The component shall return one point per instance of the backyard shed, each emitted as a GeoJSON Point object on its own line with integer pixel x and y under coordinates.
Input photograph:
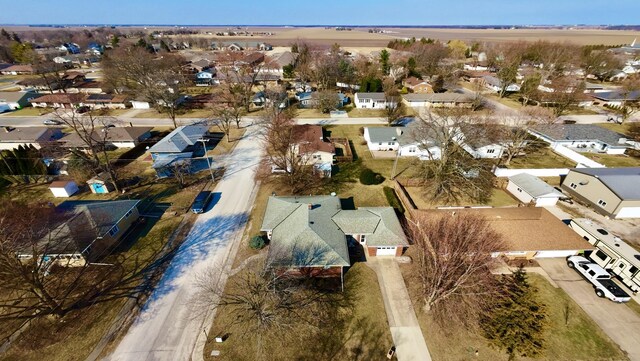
{"type": "Point", "coordinates": [529, 188]}
{"type": "Point", "coordinates": [63, 189]}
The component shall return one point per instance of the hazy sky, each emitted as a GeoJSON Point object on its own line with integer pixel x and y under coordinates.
{"type": "Point", "coordinates": [320, 12]}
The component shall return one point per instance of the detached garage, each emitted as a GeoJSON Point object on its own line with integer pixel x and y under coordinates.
{"type": "Point", "coordinates": [529, 189]}
{"type": "Point", "coordinates": [613, 192]}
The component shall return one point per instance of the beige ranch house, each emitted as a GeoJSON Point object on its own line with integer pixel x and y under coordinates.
{"type": "Point", "coordinates": [613, 192]}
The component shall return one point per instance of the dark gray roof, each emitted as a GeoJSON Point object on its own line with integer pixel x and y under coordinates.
{"type": "Point", "coordinates": [85, 223]}
{"type": "Point", "coordinates": [29, 134]}
{"type": "Point", "coordinates": [617, 95]}
{"type": "Point", "coordinates": [373, 96]}
{"type": "Point", "coordinates": [534, 186]}
{"type": "Point", "coordinates": [438, 98]}
{"type": "Point", "coordinates": [622, 181]}
{"type": "Point", "coordinates": [583, 132]}
{"type": "Point", "coordinates": [180, 139]}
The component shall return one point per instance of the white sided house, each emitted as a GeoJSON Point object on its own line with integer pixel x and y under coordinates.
{"type": "Point", "coordinates": [612, 253]}
{"type": "Point", "coordinates": [583, 138]}
{"type": "Point", "coordinates": [479, 144]}
{"type": "Point", "coordinates": [530, 189]}
{"type": "Point", "coordinates": [372, 101]}
{"type": "Point", "coordinates": [495, 84]}
{"type": "Point", "coordinates": [401, 141]}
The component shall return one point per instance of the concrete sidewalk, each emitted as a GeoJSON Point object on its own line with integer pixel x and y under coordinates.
{"type": "Point", "coordinates": [405, 330]}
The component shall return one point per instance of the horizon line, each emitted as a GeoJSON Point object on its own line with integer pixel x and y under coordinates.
{"type": "Point", "coordinates": [318, 25]}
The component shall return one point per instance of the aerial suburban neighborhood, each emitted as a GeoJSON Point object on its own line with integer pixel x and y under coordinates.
{"type": "Point", "coordinates": [400, 191]}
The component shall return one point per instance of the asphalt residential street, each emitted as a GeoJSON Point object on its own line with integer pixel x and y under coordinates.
{"type": "Point", "coordinates": [169, 328]}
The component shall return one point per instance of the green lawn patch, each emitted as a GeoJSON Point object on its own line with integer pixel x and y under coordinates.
{"type": "Point", "coordinates": [540, 159]}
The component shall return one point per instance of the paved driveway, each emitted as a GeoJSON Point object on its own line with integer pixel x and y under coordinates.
{"type": "Point", "coordinates": [618, 321]}
{"type": "Point", "coordinates": [405, 330]}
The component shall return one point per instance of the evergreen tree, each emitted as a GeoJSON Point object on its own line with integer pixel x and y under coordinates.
{"type": "Point", "coordinates": [5, 34]}
{"type": "Point", "coordinates": [384, 61]}
{"type": "Point", "coordinates": [518, 322]}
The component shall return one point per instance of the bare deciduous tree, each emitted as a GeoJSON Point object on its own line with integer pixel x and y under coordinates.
{"type": "Point", "coordinates": [451, 174]}
{"type": "Point", "coordinates": [47, 279]}
{"type": "Point", "coordinates": [453, 264]}
{"type": "Point", "coordinates": [283, 154]}
{"type": "Point", "coordinates": [93, 131]}
{"type": "Point", "coordinates": [158, 79]}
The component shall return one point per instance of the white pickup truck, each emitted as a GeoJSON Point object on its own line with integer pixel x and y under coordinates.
{"type": "Point", "coordinates": [599, 278]}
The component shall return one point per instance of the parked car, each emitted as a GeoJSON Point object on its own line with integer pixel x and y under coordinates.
{"type": "Point", "coordinates": [599, 278]}
{"type": "Point", "coordinates": [201, 202]}
{"type": "Point", "coordinates": [83, 109]}
{"type": "Point", "coordinates": [51, 122]}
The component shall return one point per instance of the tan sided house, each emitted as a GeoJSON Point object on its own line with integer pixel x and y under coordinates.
{"type": "Point", "coordinates": [613, 192]}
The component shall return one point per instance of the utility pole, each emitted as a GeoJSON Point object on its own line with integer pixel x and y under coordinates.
{"type": "Point", "coordinates": [204, 146]}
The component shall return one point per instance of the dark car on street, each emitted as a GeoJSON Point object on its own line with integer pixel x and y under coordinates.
{"type": "Point", "coordinates": [201, 202]}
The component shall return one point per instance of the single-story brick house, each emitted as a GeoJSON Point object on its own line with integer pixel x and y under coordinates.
{"type": "Point", "coordinates": [312, 235]}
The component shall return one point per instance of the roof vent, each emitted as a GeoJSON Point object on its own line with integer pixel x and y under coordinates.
{"type": "Point", "coordinates": [310, 206]}
{"type": "Point", "coordinates": [399, 131]}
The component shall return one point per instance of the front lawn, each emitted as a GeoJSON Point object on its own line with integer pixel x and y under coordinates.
{"type": "Point", "coordinates": [614, 160]}
{"type": "Point", "coordinates": [541, 159]}
{"type": "Point", "coordinates": [499, 198]}
{"type": "Point", "coordinates": [357, 332]}
{"type": "Point", "coordinates": [29, 112]}
{"type": "Point", "coordinates": [578, 339]}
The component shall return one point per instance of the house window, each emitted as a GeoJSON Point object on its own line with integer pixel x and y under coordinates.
{"type": "Point", "coordinates": [602, 203]}
{"type": "Point", "coordinates": [573, 186]}
{"type": "Point", "coordinates": [633, 269]}
{"type": "Point", "coordinates": [113, 231]}
{"type": "Point", "coordinates": [601, 255]}
{"type": "Point", "coordinates": [390, 143]}
{"type": "Point", "coordinates": [519, 190]}
{"type": "Point", "coordinates": [380, 143]}
{"type": "Point", "coordinates": [363, 239]}
{"type": "Point", "coordinates": [128, 213]}
{"type": "Point", "coordinates": [491, 151]}
{"type": "Point", "coordinates": [316, 156]}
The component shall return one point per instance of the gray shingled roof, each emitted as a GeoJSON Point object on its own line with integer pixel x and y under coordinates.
{"type": "Point", "coordinates": [29, 134]}
{"type": "Point", "coordinates": [622, 181]}
{"type": "Point", "coordinates": [403, 135]}
{"type": "Point", "coordinates": [579, 132]}
{"type": "Point", "coordinates": [180, 139]}
{"type": "Point", "coordinates": [304, 237]}
{"type": "Point", "coordinates": [379, 97]}
{"type": "Point", "coordinates": [388, 232]}
{"type": "Point", "coordinates": [534, 186]}
{"type": "Point", "coordinates": [311, 231]}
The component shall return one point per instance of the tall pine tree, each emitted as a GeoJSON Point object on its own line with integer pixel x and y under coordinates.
{"type": "Point", "coordinates": [518, 322]}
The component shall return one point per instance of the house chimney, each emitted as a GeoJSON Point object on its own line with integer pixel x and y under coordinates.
{"type": "Point", "coordinates": [399, 131]}
{"type": "Point", "coordinates": [8, 129]}
{"type": "Point", "coordinates": [310, 206]}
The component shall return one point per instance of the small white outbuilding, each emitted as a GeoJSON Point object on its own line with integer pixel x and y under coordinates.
{"type": "Point", "coordinates": [529, 188]}
{"type": "Point", "coordinates": [63, 189]}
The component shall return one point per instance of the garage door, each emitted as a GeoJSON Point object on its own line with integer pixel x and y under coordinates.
{"type": "Point", "coordinates": [555, 254]}
{"type": "Point", "coordinates": [386, 251]}
{"type": "Point", "coordinates": [629, 212]}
